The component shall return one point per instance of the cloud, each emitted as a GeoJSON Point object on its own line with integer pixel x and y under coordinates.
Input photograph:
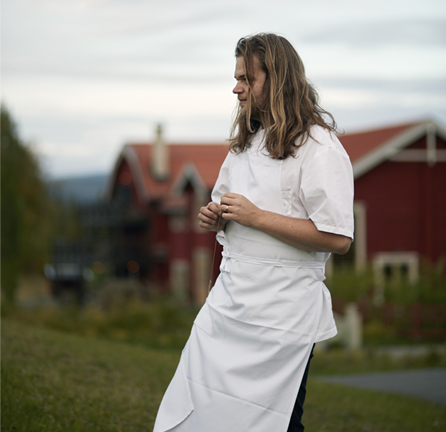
{"type": "Point", "coordinates": [56, 95]}
{"type": "Point", "coordinates": [85, 77]}
{"type": "Point", "coordinates": [374, 33]}
{"type": "Point", "coordinates": [436, 85]}
{"type": "Point", "coordinates": [366, 94]}
{"type": "Point", "coordinates": [155, 42]}
{"type": "Point", "coordinates": [367, 98]}
{"type": "Point", "coordinates": [157, 19]}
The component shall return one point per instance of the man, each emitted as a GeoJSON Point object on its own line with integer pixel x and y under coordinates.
{"type": "Point", "coordinates": [282, 203]}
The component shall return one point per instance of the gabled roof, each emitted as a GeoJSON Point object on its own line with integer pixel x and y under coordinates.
{"type": "Point", "coordinates": [370, 148]}
{"type": "Point", "coordinates": [199, 164]}
{"type": "Point", "coordinates": [359, 144]}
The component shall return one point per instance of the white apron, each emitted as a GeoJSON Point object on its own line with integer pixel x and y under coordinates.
{"type": "Point", "coordinates": [242, 366]}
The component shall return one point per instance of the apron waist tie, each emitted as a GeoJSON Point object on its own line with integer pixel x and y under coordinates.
{"type": "Point", "coordinates": [227, 257]}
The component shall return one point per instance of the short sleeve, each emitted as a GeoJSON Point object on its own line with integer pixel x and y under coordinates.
{"type": "Point", "coordinates": [327, 190]}
{"type": "Point", "coordinates": [221, 185]}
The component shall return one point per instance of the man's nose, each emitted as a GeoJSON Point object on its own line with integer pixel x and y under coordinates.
{"type": "Point", "coordinates": [237, 89]}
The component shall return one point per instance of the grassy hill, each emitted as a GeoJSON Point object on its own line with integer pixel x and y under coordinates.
{"type": "Point", "coordinates": [54, 381]}
{"type": "Point", "coordinates": [61, 382]}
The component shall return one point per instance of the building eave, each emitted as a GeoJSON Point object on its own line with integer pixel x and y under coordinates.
{"type": "Point", "coordinates": [396, 144]}
{"type": "Point", "coordinates": [128, 154]}
{"type": "Point", "coordinates": [189, 174]}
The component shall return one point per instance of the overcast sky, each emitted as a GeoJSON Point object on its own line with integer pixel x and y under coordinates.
{"type": "Point", "coordinates": [82, 78]}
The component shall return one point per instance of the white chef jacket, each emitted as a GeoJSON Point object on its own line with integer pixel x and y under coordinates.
{"type": "Point", "coordinates": [242, 366]}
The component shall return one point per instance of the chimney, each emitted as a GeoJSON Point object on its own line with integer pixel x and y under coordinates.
{"type": "Point", "coordinates": [160, 156]}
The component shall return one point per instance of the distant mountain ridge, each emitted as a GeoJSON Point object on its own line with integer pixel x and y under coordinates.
{"type": "Point", "coordinates": [81, 190]}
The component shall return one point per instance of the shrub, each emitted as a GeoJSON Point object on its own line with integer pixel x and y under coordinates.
{"type": "Point", "coordinates": [160, 323]}
{"type": "Point", "coordinates": [349, 285]}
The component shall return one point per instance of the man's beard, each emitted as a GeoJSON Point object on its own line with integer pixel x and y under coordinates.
{"type": "Point", "coordinates": [253, 123]}
{"type": "Point", "coordinates": [257, 107]}
{"type": "Point", "coordinates": [255, 113]}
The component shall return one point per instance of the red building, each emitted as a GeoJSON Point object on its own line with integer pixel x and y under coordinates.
{"type": "Point", "coordinates": [166, 185]}
{"type": "Point", "coordinates": [400, 203]}
{"type": "Point", "coordinates": [400, 197]}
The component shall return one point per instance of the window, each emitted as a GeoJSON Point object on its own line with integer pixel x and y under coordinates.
{"type": "Point", "coordinates": [393, 267]}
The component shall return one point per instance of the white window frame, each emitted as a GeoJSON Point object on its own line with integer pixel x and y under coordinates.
{"type": "Point", "coordinates": [394, 259]}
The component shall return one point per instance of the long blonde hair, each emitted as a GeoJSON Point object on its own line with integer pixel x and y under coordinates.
{"type": "Point", "coordinates": [290, 104]}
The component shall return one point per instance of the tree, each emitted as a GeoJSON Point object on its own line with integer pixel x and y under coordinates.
{"type": "Point", "coordinates": [26, 210]}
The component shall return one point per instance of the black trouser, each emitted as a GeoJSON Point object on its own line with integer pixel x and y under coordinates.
{"type": "Point", "coordinates": [296, 416]}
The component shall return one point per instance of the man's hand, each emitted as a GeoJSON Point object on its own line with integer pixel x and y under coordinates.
{"type": "Point", "coordinates": [239, 209]}
{"type": "Point", "coordinates": [209, 217]}
{"type": "Point", "coordinates": [300, 233]}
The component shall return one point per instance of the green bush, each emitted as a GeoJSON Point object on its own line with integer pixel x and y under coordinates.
{"type": "Point", "coordinates": [350, 285]}
{"type": "Point", "coordinates": [376, 333]}
{"type": "Point", "coordinates": [160, 323]}
{"type": "Point", "coordinates": [27, 211]}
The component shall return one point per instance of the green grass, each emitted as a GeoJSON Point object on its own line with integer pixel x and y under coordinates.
{"type": "Point", "coordinates": [54, 381]}
{"type": "Point", "coordinates": [337, 408]}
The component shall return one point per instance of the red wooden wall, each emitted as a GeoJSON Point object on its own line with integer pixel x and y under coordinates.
{"type": "Point", "coordinates": [406, 206]}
